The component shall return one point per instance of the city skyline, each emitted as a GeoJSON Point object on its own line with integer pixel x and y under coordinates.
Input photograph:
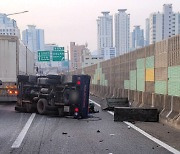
{"type": "Point", "coordinates": [57, 18]}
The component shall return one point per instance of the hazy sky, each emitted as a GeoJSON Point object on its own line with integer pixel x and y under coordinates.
{"type": "Point", "coordinates": [75, 20]}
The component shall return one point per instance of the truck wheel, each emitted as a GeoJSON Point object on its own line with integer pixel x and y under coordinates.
{"type": "Point", "coordinates": [41, 106]}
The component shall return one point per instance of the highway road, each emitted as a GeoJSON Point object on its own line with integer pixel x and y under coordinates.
{"type": "Point", "coordinates": [25, 133]}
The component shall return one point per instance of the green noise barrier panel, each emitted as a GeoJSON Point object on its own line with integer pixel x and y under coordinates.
{"type": "Point", "coordinates": [174, 73]}
{"type": "Point", "coordinates": [126, 84]}
{"type": "Point", "coordinates": [160, 87]}
{"type": "Point", "coordinates": [133, 80]}
{"type": "Point", "coordinates": [150, 62]}
{"type": "Point", "coordinates": [140, 63]}
{"type": "Point", "coordinates": [174, 88]}
{"type": "Point", "coordinates": [141, 79]}
{"type": "Point", "coordinates": [99, 76]}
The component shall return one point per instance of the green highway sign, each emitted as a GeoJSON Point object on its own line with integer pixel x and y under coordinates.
{"type": "Point", "coordinates": [58, 48]}
{"type": "Point", "coordinates": [44, 56]}
{"type": "Point", "coordinates": [58, 55]}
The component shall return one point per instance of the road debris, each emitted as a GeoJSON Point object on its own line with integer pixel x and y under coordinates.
{"type": "Point", "coordinates": [98, 131]}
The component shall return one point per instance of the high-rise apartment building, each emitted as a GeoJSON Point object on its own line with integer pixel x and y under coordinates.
{"type": "Point", "coordinates": [155, 27]}
{"type": "Point", "coordinates": [162, 25]}
{"type": "Point", "coordinates": [76, 53]}
{"type": "Point", "coordinates": [105, 30]}
{"type": "Point", "coordinates": [33, 38]}
{"type": "Point", "coordinates": [8, 26]}
{"type": "Point", "coordinates": [147, 30]}
{"type": "Point", "coordinates": [108, 52]}
{"type": "Point", "coordinates": [137, 38]}
{"type": "Point", "coordinates": [122, 31]}
{"type": "Point", "coordinates": [105, 34]}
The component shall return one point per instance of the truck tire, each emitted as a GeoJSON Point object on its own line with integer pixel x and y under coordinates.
{"type": "Point", "coordinates": [41, 106]}
{"type": "Point", "coordinates": [23, 78]}
{"type": "Point", "coordinates": [66, 96]}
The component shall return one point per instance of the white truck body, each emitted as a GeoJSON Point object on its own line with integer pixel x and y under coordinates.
{"type": "Point", "coordinates": [15, 59]}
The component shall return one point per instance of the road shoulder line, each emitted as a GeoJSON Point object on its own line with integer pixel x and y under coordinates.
{"type": "Point", "coordinates": [19, 139]}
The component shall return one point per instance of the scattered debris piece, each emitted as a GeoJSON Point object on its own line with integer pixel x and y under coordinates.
{"type": "Point", "coordinates": [133, 122]}
{"type": "Point", "coordinates": [101, 141]}
{"type": "Point", "coordinates": [98, 131]}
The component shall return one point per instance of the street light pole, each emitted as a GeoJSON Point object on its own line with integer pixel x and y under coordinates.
{"type": "Point", "coordinates": [26, 45]}
{"type": "Point", "coordinates": [16, 13]}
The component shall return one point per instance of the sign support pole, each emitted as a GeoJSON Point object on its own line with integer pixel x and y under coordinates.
{"type": "Point", "coordinates": [68, 58]}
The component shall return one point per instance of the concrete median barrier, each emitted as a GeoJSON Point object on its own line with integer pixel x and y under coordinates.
{"type": "Point", "coordinates": [115, 93]}
{"type": "Point", "coordinates": [166, 109]}
{"type": "Point", "coordinates": [110, 92]}
{"type": "Point", "coordinates": [146, 100]}
{"type": "Point", "coordinates": [175, 106]}
{"type": "Point", "coordinates": [177, 122]}
{"type": "Point", "coordinates": [171, 114]}
{"type": "Point", "coordinates": [159, 102]}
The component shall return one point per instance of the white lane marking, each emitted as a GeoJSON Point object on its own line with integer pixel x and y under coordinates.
{"type": "Point", "coordinates": [95, 103]}
{"type": "Point", "coordinates": [166, 146]}
{"type": "Point", "coordinates": [110, 112]}
{"type": "Point", "coordinates": [23, 132]}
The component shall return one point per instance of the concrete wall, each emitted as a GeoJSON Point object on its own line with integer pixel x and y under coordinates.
{"type": "Point", "coordinates": [149, 76]}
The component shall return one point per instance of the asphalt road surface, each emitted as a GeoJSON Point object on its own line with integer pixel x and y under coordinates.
{"type": "Point", "coordinates": [47, 134]}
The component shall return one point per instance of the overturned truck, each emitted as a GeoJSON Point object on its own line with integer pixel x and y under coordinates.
{"type": "Point", "coordinates": [54, 94]}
